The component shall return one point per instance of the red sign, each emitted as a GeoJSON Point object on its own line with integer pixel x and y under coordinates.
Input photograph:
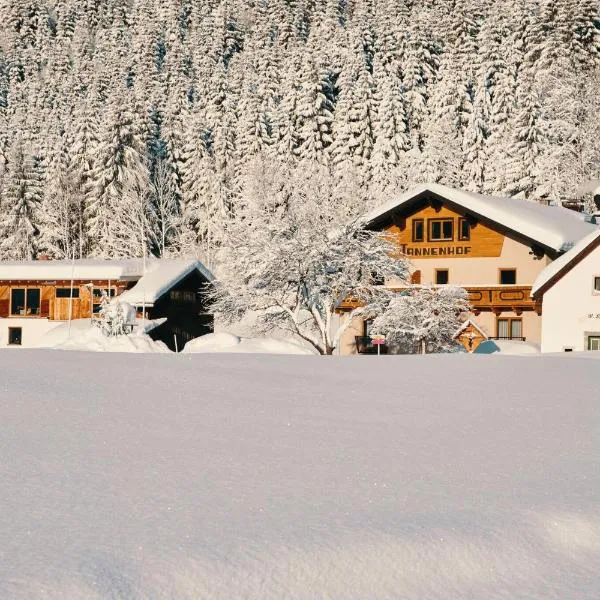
{"type": "Point", "coordinates": [378, 341]}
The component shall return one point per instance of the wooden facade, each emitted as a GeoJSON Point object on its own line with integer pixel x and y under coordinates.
{"type": "Point", "coordinates": [27, 304]}
{"type": "Point", "coordinates": [186, 311]}
{"type": "Point", "coordinates": [481, 241]}
{"type": "Point", "coordinates": [55, 301]}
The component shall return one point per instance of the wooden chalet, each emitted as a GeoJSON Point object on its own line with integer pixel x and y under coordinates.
{"type": "Point", "coordinates": [493, 247]}
{"type": "Point", "coordinates": [36, 296]}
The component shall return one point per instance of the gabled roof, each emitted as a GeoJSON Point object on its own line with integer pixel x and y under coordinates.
{"type": "Point", "coordinates": [468, 323]}
{"type": "Point", "coordinates": [563, 264]}
{"type": "Point", "coordinates": [553, 227]}
{"type": "Point", "coordinates": [81, 269]}
{"type": "Point", "coordinates": [160, 277]}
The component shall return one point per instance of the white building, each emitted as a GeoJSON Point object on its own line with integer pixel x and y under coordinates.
{"type": "Point", "coordinates": [569, 289]}
{"type": "Point", "coordinates": [493, 247]}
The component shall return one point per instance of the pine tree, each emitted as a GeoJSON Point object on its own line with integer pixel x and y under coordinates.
{"type": "Point", "coordinates": [20, 224]}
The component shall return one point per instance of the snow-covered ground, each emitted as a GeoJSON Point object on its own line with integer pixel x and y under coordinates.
{"type": "Point", "coordinates": [82, 335]}
{"type": "Point", "coordinates": [267, 477]}
{"type": "Point", "coordinates": [227, 342]}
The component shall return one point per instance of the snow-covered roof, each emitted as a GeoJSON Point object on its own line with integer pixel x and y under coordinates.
{"type": "Point", "coordinates": [66, 269]}
{"type": "Point", "coordinates": [564, 263]}
{"type": "Point", "coordinates": [160, 277]}
{"type": "Point", "coordinates": [554, 227]}
{"type": "Point", "coordinates": [468, 323]}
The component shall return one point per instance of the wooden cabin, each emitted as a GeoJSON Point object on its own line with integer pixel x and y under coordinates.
{"type": "Point", "coordinates": [37, 296]}
{"type": "Point", "coordinates": [493, 247]}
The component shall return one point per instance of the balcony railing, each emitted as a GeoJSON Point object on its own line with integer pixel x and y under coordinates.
{"type": "Point", "coordinates": [499, 297]}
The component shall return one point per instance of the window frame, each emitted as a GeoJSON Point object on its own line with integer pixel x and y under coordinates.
{"type": "Point", "coordinates": [416, 222]}
{"type": "Point", "coordinates": [502, 270]}
{"type": "Point", "coordinates": [437, 271]}
{"type": "Point", "coordinates": [596, 285]}
{"type": "Point", "coordinates": [76, 293]}
{"type": "Point", "coordinates": [462, 238]}
{"type": "Point", "coordinates": [25, 303]}
{"type": "Point", "coordinates": [431, 222]}
{"type": "Point", "coordinates": [12, 329]}
{"type": "Point", "coordinates": [509, 320]}
{"type": "Point", "coordinates": [589, 342]}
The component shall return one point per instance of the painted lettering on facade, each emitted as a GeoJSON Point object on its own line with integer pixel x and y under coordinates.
{"type": "Point", "coordinates": [436, 250]}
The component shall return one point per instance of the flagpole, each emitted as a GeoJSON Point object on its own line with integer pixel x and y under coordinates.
{"type": "Point", "coordinates": [71, 294]}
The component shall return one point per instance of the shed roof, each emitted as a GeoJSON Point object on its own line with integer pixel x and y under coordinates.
{"type": "Point", "coordinates": [554, 227]}
{"type": "Point", "coordinates": [160, 277]}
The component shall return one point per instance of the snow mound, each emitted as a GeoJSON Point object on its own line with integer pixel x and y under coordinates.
{"type": "Point", "coordinates": [227, 342]}
{"type": "Point", "coordinates": [511, 347]}
{"type": "Point", "coordinates": [84, 336]}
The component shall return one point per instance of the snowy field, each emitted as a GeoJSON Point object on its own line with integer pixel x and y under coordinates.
{"type": "Point", "coordinates": [148, 476]}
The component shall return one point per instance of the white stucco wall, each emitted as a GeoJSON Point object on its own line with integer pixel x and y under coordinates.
{"type": "Point", "coordinates": [571, 308]}
{"type": "Point", "coordinates": [33, 329]}
{"type": "Point", "coordinates": [483, 271]}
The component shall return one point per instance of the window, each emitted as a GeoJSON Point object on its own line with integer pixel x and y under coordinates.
{"type": "Point", "coordinates": [509, 329]}
{"type": "Point", "coordinates": [594, 343]}
{"type": "Point", "coordinates": [183, 297]}
{"type": "Point", "coordinates": [33, 298]}
{"type": "Point", "coordinates": [597, 284]}
{"type": "Point", "coordinates": [464, 230]}
{"type": "Point", "coordinates": [17, 301]}
{"type": "Point", "coordinates": [418, 230]}
{"type": "Point", "coordinates": [25, 301]}
{"type": "Point", "coordinates": [367, 327]}
{"type": "Point", "coordinates": [441, 276]}
{"type": "Point", "coordinates": [508, 276]}
{"type": "Point", "coordinates": [66, 292]}
{"type": "Point", "coordinates": [441, 230]}
{"type": "Point", "coordinates": [15, 336]}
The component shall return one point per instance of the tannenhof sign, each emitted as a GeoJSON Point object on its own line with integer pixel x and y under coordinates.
{"type": "Point", "coordinates": [435, 250]}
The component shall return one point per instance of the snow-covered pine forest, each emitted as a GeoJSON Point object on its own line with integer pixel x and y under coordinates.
{"type": "Point", "coordinates": [132, 125]}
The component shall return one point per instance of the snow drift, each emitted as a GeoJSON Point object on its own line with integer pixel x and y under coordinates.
{"type": "Point", "coordinates": [83, 336]}
{"type": "Point", "coordinates": [225, 477]}
{"type": "Point", "coordinates": [227, 342]}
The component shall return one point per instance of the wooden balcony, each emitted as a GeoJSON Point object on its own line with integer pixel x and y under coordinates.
{"type": "Point", "coordinates": [502, 297]}
{"type": "Point", "coordinates": [498, 298]}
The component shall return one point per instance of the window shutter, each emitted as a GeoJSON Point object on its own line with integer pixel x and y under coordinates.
{"type": "Point", "coordinates": [45, 308]}
{"type": "Point", "coordinates": [415, 278]}
{"type": "Point", "coordinates": [4, 308]}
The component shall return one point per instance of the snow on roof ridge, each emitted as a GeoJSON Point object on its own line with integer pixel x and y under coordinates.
{"type": "Point", "coordinates": [65, 269]}
{"type": "Point", "coordinates": [552, 226]}
{"type": "Point", "coordinates": [161, 275]}
{"type": "Point", "coordinates": [90, 268]}
{"type": "Point", "coordinates": [563, 261]}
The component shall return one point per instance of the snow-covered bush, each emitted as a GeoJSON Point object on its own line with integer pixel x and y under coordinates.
{"type": "Point", "coordinates": [423, 319]}
{"type": "Point", "coordinates": [115, 316]}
